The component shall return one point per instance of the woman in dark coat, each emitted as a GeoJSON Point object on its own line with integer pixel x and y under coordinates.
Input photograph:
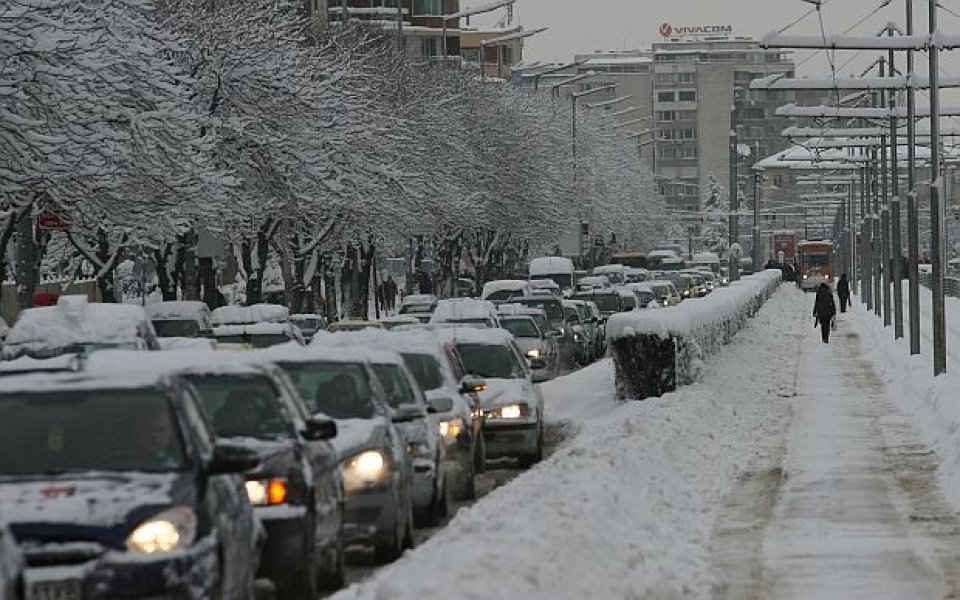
{"type": "Point", "coordinates": [824, 309]}
{"type": "Point", "coordinates": [843, 292]}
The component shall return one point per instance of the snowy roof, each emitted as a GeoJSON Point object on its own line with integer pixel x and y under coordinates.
{"type": "Point", "coordinates": [604, 269]}
{"type": "Point", "coordinates": [519, 309]}
{"type": "Point", "coordinates": [618, 60]}
{"type": "Point", "coordinates": [454, 309]}
{"type": "Point", "coordinates": [416, 342]}
{"type": "Point", "coordinates": [177, 310]}
{"type": "Point", "coordinates": [74, 320]}
{"type": "Point", "coordinates": [256, 313]}
{"type": "Point", "coordinates": [538, 284]}
{"type": "Point", "coordinates": [54, 382]}
{"type": "Point", "coordinates": [252, 329]}
{"type": "Point", "coordinates": [492, 287]}
{"type": "Point", "coordinates": [314, 353]}
{"type": "Point", "coordinates": [197, 361]}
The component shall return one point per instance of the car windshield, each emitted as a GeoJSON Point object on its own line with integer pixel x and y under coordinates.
{"type": "Point", "coordinates": [553, 308]}
{"type": "Point", "coordinates": [177, 328]}
{"type": "Point", "coordinates": [395, 384]}
{"type": "Point", "coordinates": [629, 302]}
{"type": "Point", "coordinates": [263, 340]}
{"type": "Point", "coordinates": [605, 302]}
{"type": "Point", "coordinates": [89, 430]}
{"type": "Point", "coordinates": [416, 308]}
{"type": "Point", "coordinates": [521, 327]}
{"type": "Point", "coordinates": [338, 390]}
{"type": "Point", "coordinates": [425, 369]}
{"type": "Point", "coordinates": [501, 295]}
{"type": "Point", "coordinates": [243, 406]}
{"type": "Point", "coordinates": [490, 361]}
{"type": "Point", "coordinates": [541, 321]}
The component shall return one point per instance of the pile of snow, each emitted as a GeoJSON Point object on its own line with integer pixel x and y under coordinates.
{"type": "Point", "coordinates": [184, 309]}
{"type": "Point", "coordinates": [626, 508]}
{"type": "Point", "coordinates": [71, 322]}
{"type": "Point", "coordinates": [256, 313]}
{"type": "Point", "coordinates": [931, 401]}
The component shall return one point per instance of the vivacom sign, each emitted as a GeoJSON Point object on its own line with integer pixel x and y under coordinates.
{"type": "Point", "coordinates": [667, 30]}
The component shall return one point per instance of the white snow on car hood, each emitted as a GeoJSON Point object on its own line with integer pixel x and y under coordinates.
{"type": "Point", "coordinates": [356, 434]}
{"type": "Point", "coordinates": [506, 391]}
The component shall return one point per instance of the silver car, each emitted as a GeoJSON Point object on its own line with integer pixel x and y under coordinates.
{"type": "Point", "coordinates": [538, 346]}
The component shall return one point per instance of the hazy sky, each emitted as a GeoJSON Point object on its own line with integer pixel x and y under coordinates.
{"type": "Point", "coordinates": [587, 25]}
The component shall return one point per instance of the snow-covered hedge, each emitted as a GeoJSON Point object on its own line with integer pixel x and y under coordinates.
{"type": "Point", "coordinates": [654, 351]}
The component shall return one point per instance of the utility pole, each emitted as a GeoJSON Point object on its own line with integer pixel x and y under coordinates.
{"type": "Point", "coordinates": [913, 213]}
{"type": "Point", "coordinates": [885, 212]}
{"type": "Point", "coordinates": [937, 212]}
{"type": "Point", "coordinates": [894, 222]}
{"type": "Point", "coordinates": [734, 196]}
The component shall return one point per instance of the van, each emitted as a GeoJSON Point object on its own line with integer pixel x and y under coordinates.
{"type": "Point", "coordinates": [557, 268]}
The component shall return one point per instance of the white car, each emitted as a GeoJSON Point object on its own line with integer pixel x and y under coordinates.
{"type": "Point", "coordinates": [504, 290]}
{"type": "Point", "coordinates": [182, 319]}
{"type": "Point", "coordinates": [512, 405]}
{"type": "Point", "coordinates": [256, 335]}
{"type": "Point", "coordinates": [469, 312]}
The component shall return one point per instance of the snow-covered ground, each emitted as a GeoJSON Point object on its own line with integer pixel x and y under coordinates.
{"type": "Point", "coordinates": [626, 507]}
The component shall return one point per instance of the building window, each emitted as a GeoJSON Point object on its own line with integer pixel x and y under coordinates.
{"type": "Point", "coordinates": [666, 115]}
{"type": "Point", "coordinates": [687, 96]}
{"type": "Point", "coordinates": [431, 47]}
{"type": "Point", "coordinates": [666, 97]}
{"type": "Point", "coordinates": [427, 7]}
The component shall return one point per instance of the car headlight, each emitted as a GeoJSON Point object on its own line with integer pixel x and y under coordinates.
{"type": "Point", "coordinates": [365, 470]}
{"type": "Point", "coordinates": [168, 531]}
{"type": "Point", "coordinates": [452, 429]}
{"type": "Point", "coordinates": [805, 276]}
{"type": "Point", "coordinates": [269, 492]}
{"type": "Point", "coordinates": [418, 450]}
{"type": "Point", "coordinates": [511, 411]}
{"type": "Point", "coordinates": [534, 353]}
{"type": "Point", "coordinates": [577, 337]}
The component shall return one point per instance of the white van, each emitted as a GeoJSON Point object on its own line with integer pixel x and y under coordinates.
{"type": "Point", "coordinates": [557, 268]}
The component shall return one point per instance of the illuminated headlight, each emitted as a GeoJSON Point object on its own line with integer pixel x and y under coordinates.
{"type": "Point", "coordinates": [534, 353]}
{"type": "Point", "coordinates": [686, 293]}
{"type": "Point", "coordinates": [806, 276]}
{"type": "Point", "coordinates": [365, 470]}
{"type": "Point", "coordinates": [577, 337]}
{"type": "Point", "coordinates": [168, 531]}
{"type": "Point", "coordinates": [452, 429]}
{"type": "Point", "coordinates": [828, 275]}
{"type": "Point", "coordinates": [511, 411]}
{"type": "Point", "coordinates": [269, 492]}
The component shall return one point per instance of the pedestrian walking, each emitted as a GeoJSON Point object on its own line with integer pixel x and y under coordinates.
{"type": "Point", "coordinates": [843, 292]}
{"type": "Point", "coordinates": [824, 309]}
{"type": "Point", "coordinates": [390, 293]}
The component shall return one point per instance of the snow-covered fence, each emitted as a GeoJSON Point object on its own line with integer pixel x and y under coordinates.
{"type": "Point", "coordinates": [654, 351]}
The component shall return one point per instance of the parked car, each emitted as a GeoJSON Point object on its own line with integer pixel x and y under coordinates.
{"type": "Point", "coordinates": [467, 312]}
{"type": "Point", "coordinates": [180, 319]}
{"type": "Point", "coordinates": [376, 470]}
{"type": "Point", "coordinates": [512, 404]}
{"type": "Point", "coordinates": [296, 489]}
{"type": "Point", "coordinates": [538, 346]}
{"type": "Point", "coordinates": [116, 487]}
{"type": "Point", "coordinates": [309, 325]}
{"type": "Point", "coordinates": [440, 374]}
{"type": "Point", "coordinates": [11, 564]}
{"type": "Point", "coordinates": [411, 411]}
{"type": "Point", "coordinates": [504, 290]}
{"type": "Point", "coordinates": [78, 327]}
{"type": "Point", "coordinates": [256, 335]}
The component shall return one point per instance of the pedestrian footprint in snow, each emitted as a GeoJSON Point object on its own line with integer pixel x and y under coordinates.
{"type": "Point", "coordinates": [843, 292]}
{"type": "Point", "coordinates": [824, 309]}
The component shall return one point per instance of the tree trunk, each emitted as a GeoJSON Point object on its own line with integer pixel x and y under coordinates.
{"type": "Point", "coordinates": [208, 282]}
{"type": "Point", "coordinates": [191, 279]}
{"type": "Point", "coordinates": [164, 258]}
{"type": "Point", "coordinates": [105, 278]}
{"type": "Point", "coordinates": [28, 260]}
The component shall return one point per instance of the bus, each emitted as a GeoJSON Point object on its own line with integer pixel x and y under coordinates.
{"type": "Point", "coordinates": [815, 264]}
{"type": "Point", "coordinates": [634, 260]}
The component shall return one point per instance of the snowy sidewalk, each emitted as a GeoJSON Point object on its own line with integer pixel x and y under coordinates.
{"type": "Point", "coordinates": [848, 504]}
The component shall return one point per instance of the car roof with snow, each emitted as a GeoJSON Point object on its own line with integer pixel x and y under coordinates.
{"type": "Point", "coordinates": [519, 309]}
{"type": "Point", "coordinates": [256, 313]}
{"type": "Point", "coordinates": [251, 329]}
{"type": "Point", "coordinates": [492, 287]}
{"type": "Point", "coordinates": [75, 320]}
{"type": "Point", "coordinates": [453, 309]}
{"type": "Point", "coordinates": [194, 361]}
{"type": "Point", "coordinates": [180, 309]}
{"type": "Point", "coordinates": [418, 341]}
{"type": "Point", "coordinates": [467, 335]}
{"type": "Point", "coordinates": [65, 382]}
{"type": "Point", "coordinates": [309, 354]}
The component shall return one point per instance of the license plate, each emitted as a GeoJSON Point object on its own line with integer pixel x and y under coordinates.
{"type": "Point", "coordinates": [54, 590]}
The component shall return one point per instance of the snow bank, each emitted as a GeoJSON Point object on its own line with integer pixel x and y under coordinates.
{"type": "Point", "coordinates": [256, 313]}
{"type": "Point", "coordinates": [931, 401]}
{"type": "Point", "coordinates": [626, 508]}
{"type": "Point", "coordinates": [655, 351]}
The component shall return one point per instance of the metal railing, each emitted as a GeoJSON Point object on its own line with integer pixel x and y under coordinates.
{"type": "Point", "coordinates": [951, 284]}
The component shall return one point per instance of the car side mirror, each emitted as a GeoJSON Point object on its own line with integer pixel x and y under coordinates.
{"type": "Point", "coordinates": [472, 385]}
{"type": "Point", "coordinates": [230, 459]}
{"type": "Point", "coordinates": [407, 412]}
{"type": "Point", "coordinates": [441, 404]}
{"type": "Point", "coordinates": [319, 429]}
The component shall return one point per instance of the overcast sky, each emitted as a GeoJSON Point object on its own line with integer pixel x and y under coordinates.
{"type": "Point", "coordinates": [588, 25]}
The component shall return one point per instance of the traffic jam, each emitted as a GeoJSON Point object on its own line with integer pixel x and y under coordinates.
{"type": "Point", "coordinates": [171, 451]}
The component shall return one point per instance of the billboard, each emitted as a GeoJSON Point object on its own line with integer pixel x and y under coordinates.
{"type": "Point", "coordinates": [668, 30]}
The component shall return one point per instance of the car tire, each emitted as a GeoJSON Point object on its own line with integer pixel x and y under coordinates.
{"type": "Point", "coordinates": [440, 509]}
{"type": "Point", "coordinates": [333, 576]}
{"type": "Point", "coordinates": [529, 460]}
{"type": "Point", "coordinates": [303, 583]}
{"type": "Point", "coordinates": [395, 543]}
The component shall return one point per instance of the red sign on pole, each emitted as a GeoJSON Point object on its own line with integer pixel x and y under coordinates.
{"type": "Point", "coordinates": [51, 221]}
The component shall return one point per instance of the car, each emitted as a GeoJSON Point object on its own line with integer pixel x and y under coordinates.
{"type": "Point", "coordinates": [628, 299]}
{"type": "Point", "coordinates": [616, 274]}
{"type": "Point", "coordinates": [553, 309]}
{"type": "Point", "coordinates": [593, 282]}
{"type": "Point", "coordinates": [115, 486]}
{"type": "Point", "coordinates": [646, 297]}
{"type": "Point", "coordinates": [76, 326]}
{"type": "Point", "coordinates": [412, 414]}
{"type": "Point", "coordinates": [418, 304]}
{"type": "Point", "coordinates": [440, 374]}
{"type": "Point", "coordinates": [637, 275]}
{"type": "Point", "coordinates": [538, 346]}
{"type": "Point", "coordinates": [354, 325]}
{"type": "Point", "coordinates": [466, 312]}
{"type": "Point", "coordinates": [375, 468]}
{"type": "Point", "coordinates": [309, 325]}
{"type": "Point", "coordinates": [246, 315]}
{"type": "Point", "coordinates": [256, 335]}
{"type": "Point", "coordinates": [592, 322]}
{"type": "Point", "coordinates": [399, 321]}
{"type": "Point", "coordinates": [181, 319]}
{"type": "Point", "coordinates": [547, 287]}
{"type": "Point", "coordinates": [666, 292]}
{"type": "Point", "coordinates": [11, 564]}
{"type": "Point", "coordinates": [512, 405]}
{"type": "Point", "coordinates": [556, 268]}
{"type": "Point", "coordinates": [504, 290]}
{"type": "Point", "coordinates": [296, 490]}
{"type": "Point", "coordinates": [609, 301]}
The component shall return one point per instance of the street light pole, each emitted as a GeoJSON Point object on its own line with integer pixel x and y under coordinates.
{"type": "Point", "coordinates": [734, 202]}
{"type": "Point", "coordinates": [913, 213]}
{"type": "Point", "coordinates": [896, 242]}
{"type": "Point", "coordinates": [937, 212]}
